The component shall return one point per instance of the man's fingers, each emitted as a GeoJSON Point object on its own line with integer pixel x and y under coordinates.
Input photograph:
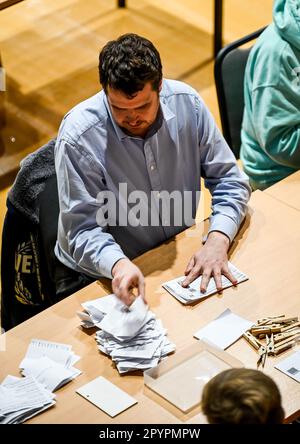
{"type": "Point", "coordinates": [190, 265]}
{"type": "Point", "coordinates": [229, 276]}
{"type": "Point", "coordinates": [142, 289]}
{"type": "Point", "coordinates": [217, 275]}
{"type": "Point", "coordinates": [218, 279]}
{"type": "Point", "coordinates": [205, 280]}
{"type": "Point", "coordinates": [115, 286]}
{"type": "Point", "coordinates": [127, 297]}
{"type": "Point", "coordinates": [194, 273]}
{"type": "Point", "coordinates": [126, 288]}
{"type": "Point", "coordinates": [126, 278]}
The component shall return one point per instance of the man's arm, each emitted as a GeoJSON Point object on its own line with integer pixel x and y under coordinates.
{"type": "Point", "coordinates": [82, 242]}
{"type": "Point", "coordinates": [230, 192]}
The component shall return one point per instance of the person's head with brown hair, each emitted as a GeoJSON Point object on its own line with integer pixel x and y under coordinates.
{"type": "Point", "coordinates": [242, 396]}
{"type": "Point", "coordinates": [130, 73]}
{"type": "Point", "coordinates": [128, 63]}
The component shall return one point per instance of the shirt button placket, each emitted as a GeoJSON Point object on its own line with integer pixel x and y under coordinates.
{"type": "Point", "coordinates": [153, 173]}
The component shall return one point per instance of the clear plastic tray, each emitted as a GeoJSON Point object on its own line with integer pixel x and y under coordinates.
{"type": "Point", "coordinates": [180, 378]}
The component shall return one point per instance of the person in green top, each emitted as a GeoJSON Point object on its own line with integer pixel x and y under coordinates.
{"type": "Point", "coordinates": [270, 148]}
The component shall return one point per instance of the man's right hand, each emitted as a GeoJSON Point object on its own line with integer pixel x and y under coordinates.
{"type": "Point", "coordinates": [126, 277]}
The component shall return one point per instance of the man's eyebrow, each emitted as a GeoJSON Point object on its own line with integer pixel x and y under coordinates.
{"type": "Point", "coordinates": [144, 104]}
{"type": "Point", "coordinates": [115, 106]}
{"type": "Point", "coordinates": [138, 107]}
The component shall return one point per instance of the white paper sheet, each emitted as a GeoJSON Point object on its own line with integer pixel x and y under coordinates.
{"type": "Point", "coordinates": [24, 394]}
{"type": "Point", "coordinates": [107, 396]}
{"type": "Point", "coordinates": [290, 366]}
{"type": "Point", "coordinates": [97, 308]}
{"type": "Point", "coordinates": [139, 351]}
{"type": "Point", "coordinates": [192, 292]}
{"type": "Point", "coordinates": [131, 336]}
{"type": "Point", "coordinates": [123, 322]}
{"type": "Point", "coordinates": [50, 363]}
{"type": "Point", "coordinates": [57, 352]}
{"type": "Point", "coordinates": [224, 330]}
{"type": "Point", "coordinates": [49, 373]}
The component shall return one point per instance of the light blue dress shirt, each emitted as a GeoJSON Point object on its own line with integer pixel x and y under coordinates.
{"type": "Point", "coordinates": [93, 154]}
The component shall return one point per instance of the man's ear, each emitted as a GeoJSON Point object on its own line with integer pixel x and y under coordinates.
{"type": "Point", "coordinates": [160, 86]}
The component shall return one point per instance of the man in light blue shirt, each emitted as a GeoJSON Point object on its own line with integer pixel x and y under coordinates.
{"type": "Point", "coordinates": [123, 154]}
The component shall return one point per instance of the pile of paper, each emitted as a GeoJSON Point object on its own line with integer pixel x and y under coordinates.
{"type": "Point", "coordinates": [192, 293]}
{"type": "Point", "coordinates": [50, 363]}
{"type": "Point", "coordinates": [95, 310]}
{"type": "Point", "coordinates": [22, 398]}
{"type": "Point", "coordinates": [132, 336]}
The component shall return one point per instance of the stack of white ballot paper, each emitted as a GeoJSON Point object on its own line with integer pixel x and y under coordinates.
{"type": "Point", "coordinates": [22, 398]}
{"type": "Point", "coordinates": [95, 310]}
{"type": "Point", "coordinates": [50, 363]}
{"type": "Point", "coordinates": [192, 292]}
{"type": "Point", "coordinates": [132, 336]}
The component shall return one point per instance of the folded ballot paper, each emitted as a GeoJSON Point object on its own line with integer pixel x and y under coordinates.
{"type": "Point", "coordinates": [133, 336]}
{"type": "Point", "coordinates": [192, 292]}
{"type": "Point", "coordinates": [224, 330]}
{"type": "Point", "coordinates": [22, 398]}
{"type": "Point", "coordinates": [50, 363]}
{"type": "Point", "coordinates": [96, 309]}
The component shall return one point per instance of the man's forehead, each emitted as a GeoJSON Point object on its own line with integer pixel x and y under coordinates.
{"type": "Point", "coordinates": [120, 99]}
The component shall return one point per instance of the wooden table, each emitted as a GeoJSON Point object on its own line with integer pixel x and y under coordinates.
{"type": "Point", "coordinates": [6, 3]}
{"type": "Point", "coordinates": [270, 257]}
{"type": "Point", "coordinates": [287, 190]}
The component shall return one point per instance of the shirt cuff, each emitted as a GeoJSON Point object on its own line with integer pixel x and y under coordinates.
{"type": "Point", "coordinates": [108, 261]}
{"type": "Point", "coordinates": [225, 225]}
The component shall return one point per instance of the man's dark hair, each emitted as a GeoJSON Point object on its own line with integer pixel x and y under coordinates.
{"type": "Point", "coordinates": [242, 396]}
{"type": "Point", "coordinates": [128, 63]}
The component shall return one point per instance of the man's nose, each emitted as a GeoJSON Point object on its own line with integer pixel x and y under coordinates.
{"type": "Point", "coordinates": [132, 116]}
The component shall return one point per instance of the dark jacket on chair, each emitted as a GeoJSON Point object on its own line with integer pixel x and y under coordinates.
{"type": "Point", "coordinates": [32, 277]}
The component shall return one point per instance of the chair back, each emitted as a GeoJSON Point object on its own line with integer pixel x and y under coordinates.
{"type": "Point", "coordinates": [229, 72]}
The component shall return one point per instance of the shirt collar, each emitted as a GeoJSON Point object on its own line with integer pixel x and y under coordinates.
{"type": "Point", "coordinates": [167, 112]}
{"type": "Point", "coordinates": [164, 114]}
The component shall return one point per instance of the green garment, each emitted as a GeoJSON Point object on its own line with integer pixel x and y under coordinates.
{"type": "Point", "coordinates": [270, 147]}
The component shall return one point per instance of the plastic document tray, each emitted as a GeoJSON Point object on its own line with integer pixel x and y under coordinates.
{"type": "Point", "coordinates": [180, 378]}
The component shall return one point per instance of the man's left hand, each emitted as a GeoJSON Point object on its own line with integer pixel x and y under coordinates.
{"type": "Point", "coordinates": [210, 261]}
